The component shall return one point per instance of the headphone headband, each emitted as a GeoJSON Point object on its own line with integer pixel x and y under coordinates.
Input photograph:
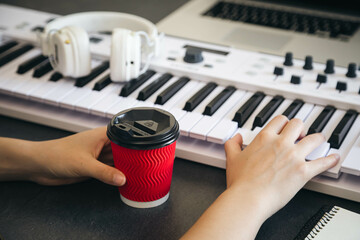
{"type": "Point", "coordinates": [101, 21]}
{"type": "Point", "coordinates": [66, 41]}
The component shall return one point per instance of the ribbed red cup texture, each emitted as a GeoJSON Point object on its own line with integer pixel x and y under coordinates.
{"type": "Point", "coordinates": [148, 172]}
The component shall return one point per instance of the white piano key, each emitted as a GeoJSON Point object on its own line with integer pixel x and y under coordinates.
{"type": "Point", "coordinates": [319, 152]}
{"type": "Point", "coordinates": [85, 104]}
{"type": "Point", "coordinates": [24, 90]}
{"type": "Point", "coordinates": [39, 93]}
{"type": "Point", "coordinates": [80, 92]}
{"type": "Point", "coordinates": [332, 123]}
{"type": "Point", "coordinates": [143, 104]}
{"type": "Point", "coordinates": [280, 110]}
{"type": "Point", "coordinates": [16, 81]}
{"type": "Point", "coordinates": [188, 121]}
{"type": "Point", "coordinates": [312, 117]}
{"type": "Point", "coordinates": [249, 123]}
{"type": "Point", "coordinates": [207, 123]}
{"type": "Point", "coordinates": [151, 100]}
{"type": "Point", "coordinates": [112, 104]}
{"type": "Point", "coordinates": [181, 94]}
{"type": "Point", "coordinates": [247, 135]}
{"type": "Point", "coordinates": [349, 163]}
{"type": "Point", "coordinates": [56, 95]}
{"type": "Point", "coordinates": [202, 127]}
{"type": "Point", "coordinates": [121, 105]}
{"type": "Point", "coordinates": [11, 67]}
{"type": "Point", "coordinates": [104, 104]}
{"type": "Point", "coordinates": [304, 111]}
{"type": "Point", "coordinates": [153, 96]}
{"type": "Point", "coordinates": [226, 127]}
{"type": "Point", "coordinates": [76, 95]}
{"type": "Point", "coordinates": [191, 118]}
{"type": "Point", "coordinates": [8, 71]}
{"type": "Point", "coordinates": [181, 104]}
{"type": "Point", "coordinates": [178, 113]}
{"type": "Point", "coordinates": [283, 106]}
{"type": "Point", "coordinates": [53, 92]}
{"type": "Point", "coordinates": [222, 131]}
{"type": "Point", "coordinates": [135, 94]}
{"type": "Point", "coordinates": [327, 131]}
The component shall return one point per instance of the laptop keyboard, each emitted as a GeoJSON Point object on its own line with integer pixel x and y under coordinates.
{"type": "Point", "coordinates": [308, 24]}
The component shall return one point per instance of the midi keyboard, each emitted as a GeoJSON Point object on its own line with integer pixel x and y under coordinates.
{"type": "Point", "coordinates": [213, 91]}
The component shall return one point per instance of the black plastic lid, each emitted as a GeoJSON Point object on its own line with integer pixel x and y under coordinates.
{"type": "Point", "coordinates": [143, 128]}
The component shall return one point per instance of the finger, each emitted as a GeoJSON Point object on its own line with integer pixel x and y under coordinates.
{"type": "Point", "coordinates": [293, 129]}
{"type": "Point", "coordinates": [320, 165]}
{"type": "Point", "coordinates": [276, 124]}
{"type": "Point", "coordinates": [302, 134]}
{"type": "Point", "coordinates": [105, 173]}
{"type": "Point", "coordinates": [310, 143]}
{"type": "Point", "coordinates": [234, 144]}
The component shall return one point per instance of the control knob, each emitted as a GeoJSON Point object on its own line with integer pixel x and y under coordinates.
{"type": "Point", "coordinates": [329, 69]}
{"type": "Point", "coordinates": [288, 59]}
{"type": "Point", "coordinates": [193, 55]}
{"type": "Point", "coordinates": [351, 73]}
{"type": "Point", "coordinates": [308, 63]}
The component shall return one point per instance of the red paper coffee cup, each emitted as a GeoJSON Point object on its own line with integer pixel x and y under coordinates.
{"type": "Point", "coordinates": [143, 142]}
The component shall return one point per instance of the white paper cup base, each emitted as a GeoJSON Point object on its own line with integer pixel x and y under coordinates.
{"type": "Point", "coordinates": [151, 204]}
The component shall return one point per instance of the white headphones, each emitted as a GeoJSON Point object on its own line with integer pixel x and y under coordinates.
{"type": "Point", "coordinates": [65, 40]}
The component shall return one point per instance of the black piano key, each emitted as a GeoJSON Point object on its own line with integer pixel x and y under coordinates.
{"type": "Point", "coordinates": [196, 99]}
{"type": "Point", "coordinates": [7, 46]}
{"type": "Point", "coordinates": [170, 91]}
{"type": "Point", "coordinates": [8, 56]}
{"type": "Point", "coordinates": [267, 111]}
{"type": "Point", "coordinates": [42, 69]}
{"type": "Point", "coordinates": [320, 122]}
{"type": "Point", "coordinates": [82, 81]}
{"type": "Point", "coordinates": [342, 129]}
{"type": "Point", "coordinates": [56, 76]}
{"type": "Point", "coordinates": [153, 87]}
{"type": "Point", "coordinates": [219, 100]}
{"type": "Point", "coordinates": [248, 108]}
{"type": "Point", "coordinates": [293, 109]}
{"type": "Point", "coordinates": [134, 83]}
{"type": "Point", "coordinates": [102, 83]}
{"type": "Point", "coordinates": [29, 64]}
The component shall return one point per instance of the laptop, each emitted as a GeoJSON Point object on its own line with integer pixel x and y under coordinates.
{"type": "Point", "coordinates": [320, 28]}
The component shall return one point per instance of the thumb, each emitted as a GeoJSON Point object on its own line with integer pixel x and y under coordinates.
{"type": "Point", "coordinates": [106, 173]}
{"type": "Point", "coordinates": [234, 144]}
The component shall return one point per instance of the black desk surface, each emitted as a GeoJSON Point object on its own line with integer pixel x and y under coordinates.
{"type": "Point", "coordinates": [93, 210]}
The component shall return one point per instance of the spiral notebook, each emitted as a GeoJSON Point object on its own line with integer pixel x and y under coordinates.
{"type": "Point", "coordinates": [331, 223]}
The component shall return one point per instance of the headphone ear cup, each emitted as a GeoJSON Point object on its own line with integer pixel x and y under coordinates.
{"type": "Point", "coordinates": [70, 52]}
{"type": "Point", "coordinates": [125, 57]}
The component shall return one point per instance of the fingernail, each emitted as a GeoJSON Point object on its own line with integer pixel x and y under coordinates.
{"type": "Point", "coordinates": [336, 158]}
{"type": "Point", "coordinates": [119, 179]}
